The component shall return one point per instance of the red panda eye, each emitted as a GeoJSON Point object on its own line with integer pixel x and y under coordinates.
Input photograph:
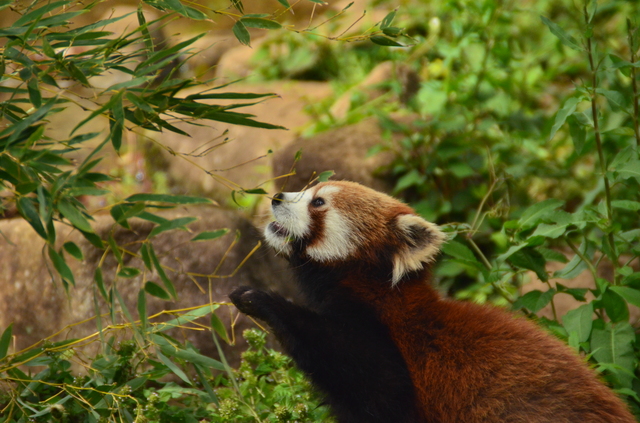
{"type": "Point", "coordinates": [318, 202]}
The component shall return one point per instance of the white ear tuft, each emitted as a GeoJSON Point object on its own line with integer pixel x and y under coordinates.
{"type": "Point", "coordinates": [421, 241]}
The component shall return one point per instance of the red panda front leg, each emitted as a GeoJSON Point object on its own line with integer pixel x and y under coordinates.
{"type": "Point", "coordinates": [345, 352]}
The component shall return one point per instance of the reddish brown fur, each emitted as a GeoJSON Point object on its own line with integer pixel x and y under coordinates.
{"type": "Point", "coordinates": [451, 348]}
{"type": "Point", "coordinates": [469, 363]}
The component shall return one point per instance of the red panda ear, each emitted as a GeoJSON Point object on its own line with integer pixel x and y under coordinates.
{"type": "Point", "coordinates": [421, 243]}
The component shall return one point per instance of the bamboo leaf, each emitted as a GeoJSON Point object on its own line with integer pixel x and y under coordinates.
{"type": "Point", "coordinates": [71, 212]}
{"type": "Point", "coordinates": [61, 266]}
{"type": "Point", "coordinates": [208, 235]}
{"type": "Point", "coordinates": [5, 341]}
{"type": "Point", "coordinates": [74, 250]}
{"type": "Point", "coordinates": [241, 33]}
{"type": "Point", "coordinates": [178, 223]}
{"type": "Point", "coordinates": [163, 276]}
{"type": "Point", "coordinates": [170, 199]}
{"type": "Point", "coordinates": [260, 23]}
{"type": "Point", "coordinates": [157, 291]}
{"type": "Point", "coordinates": [172, 366]}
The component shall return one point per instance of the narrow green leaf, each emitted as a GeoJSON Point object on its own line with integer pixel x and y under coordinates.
{"type": "Point", "coordinates": [178, 223]}
{"type": "Point", "coordinates": [386, 22]}
{"type": "Point", "coordinates": [185, 354]}
{"type": "Point", "coordinates": [139, 103]}
{"type": "Point", "coordinates": [117, 122]}
{"type": "Point", "coordinates": [260, 23]}
{"type": "Point", "coordinates": [74, 250]}
{"type": "Point", "coordinates": [187, 11]}
{"type": "Point", "coordinates": [128, 272]}
{"type": "Point", "coordinates": [142, 309]}
{"type": "Point", "coordinates": [228, 96]}
{"type": "Point", "coordinates": [172, 366]}
{"type": "Point", "coordinates": [75, 216]}
{"type": "Point", "coordinates": [146, 35]}
{"type": "Point", "coordinates": [170, 199]}
{"type": "Point", "coordinates": [564, 38]}
{"type": "Point", "coordinates": [236, 119]}
{"type": "Point", "coordinates": [157, 291]}
{"type": "Point", "coordinates": [77, 74]}
{"type": "Point", "coordinates": [131, 83]}
{"type": "Point", "coordinates": [144, 253]}
{"type": "Point", "coordinates": [115, 250]}
{"type": "Point", "coordinates": [207, 386]}
{"type": "Point", "coordinates": [16, 130]}
{"type": "Point", "coordinates": [28, 211]}
{"type": "Point", "coordinates": [241, 33]}
{"type": "Point", "coordinates": [122, 212]}
{"type": "Point", "coordinates": [219, 327]}
{"type": "Point", "coordinates": [97, 277]}
{"type": "Point", "coordinates": [285, 3]}
{"type": "Point", "coordinates": [385, 41]}
{"type": "Point", "coordinates": [165, 280]}
{"type": "Point", "coordinates": [108, 105]}
{"type": "Point", "coordinates": [208, 235]}
{"type": "Point", "coordinates": [61, 266]}
{"type": "Point", "coordinates": [5, 341]}
{"type": "Point", "coordinates": [28, 18]}
{"type": "Point", "coordinates": [34, 92]}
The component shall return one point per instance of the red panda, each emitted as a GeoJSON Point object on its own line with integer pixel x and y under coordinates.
{"type": "Point", "coordinates": [383, 346]}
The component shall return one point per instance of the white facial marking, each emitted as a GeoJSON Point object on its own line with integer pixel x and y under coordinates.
{"type": "Point", "coordinates": [336, 242]}
{"type": "Point", "coordinates": [292, 215]}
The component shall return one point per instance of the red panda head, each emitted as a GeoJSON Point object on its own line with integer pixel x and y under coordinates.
{"type": "Point", "coordinates": [336, 222]}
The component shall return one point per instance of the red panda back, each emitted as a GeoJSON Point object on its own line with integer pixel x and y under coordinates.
{"type": "Point", "coordinates": [473, 363]}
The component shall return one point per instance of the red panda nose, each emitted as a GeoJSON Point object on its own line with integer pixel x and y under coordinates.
{"type": "Point", "coordinates": [277, 199]}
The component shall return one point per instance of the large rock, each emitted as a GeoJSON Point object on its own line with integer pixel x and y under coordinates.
{"type": "Point", "coordinates": [33, 299]}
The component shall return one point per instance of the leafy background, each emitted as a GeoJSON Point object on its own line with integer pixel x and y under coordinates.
{"type": "Point", "coordinates": [521, 138]}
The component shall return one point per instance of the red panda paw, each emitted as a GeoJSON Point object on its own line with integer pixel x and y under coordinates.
{"type": "Point", "coordinates": [252, 302]}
